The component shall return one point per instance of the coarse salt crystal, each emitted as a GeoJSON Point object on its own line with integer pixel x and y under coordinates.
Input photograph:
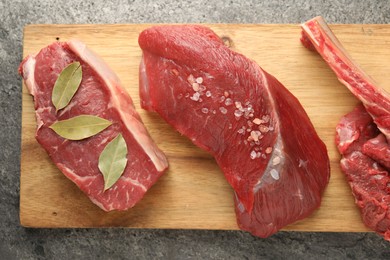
{"type": "Point", "coordinates": [268, 150]}
{"type": "Point", "coordinates": [205, 110]}
{"type": "Point", "coordinates": [195, 96]}
{"type": "Point", "coordinates": [263, 129]}
{"type": "Point", "coordinates": [221, 99]}
{"type": "Point", "coordinates": [191, 78]}
{"type": "Point", "coordinates": [241, 131]}
{"type": "Point", "coordinates": [208, 93]}
{"type": "Point", "coordinates": [253, 155]}
{"type": "Point", "coordinates": [237, 113]}
{"type": "Point", "coordinates": [199, 80]}
{"type": "Point", "coordinates": [223, 110]}
{"type": "Point", "coordinates": [226, 94]}
{"type": "Point", "coordinates": [257, 121]}
{"type": "Point", "coordinates": [254, 136]}
{"type": "Point", "coordinates": [228, 101]}
{"type": "Point", "coordinates": [237, 104]}
{"type": "Point", "coordinates": [195, 86]}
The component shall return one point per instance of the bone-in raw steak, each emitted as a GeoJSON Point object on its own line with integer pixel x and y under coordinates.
{"type": "Point", "coordinates": [255, 128]}
{"type": "Point", "coordinates": [376, 101]}
{"type": "Point", "coordinates": [362, 136]}
{"type": "Point", "coordinates": [100, 94]}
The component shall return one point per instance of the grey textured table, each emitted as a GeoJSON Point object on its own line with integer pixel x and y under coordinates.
{"type": "Point", "coordinates": [23, 243]}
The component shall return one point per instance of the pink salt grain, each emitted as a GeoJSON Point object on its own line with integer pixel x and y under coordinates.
{"type": "Point", "coordinates": [254, 136]}
{"type": "Point", "coordinates": [253, 155]}
{"type": "Point", "coordinates": [237, 113]}
{"type": "Point", "coordinates": [195, 86]}
{"type": "Point", "coordinates": [268, 150]}
{"type": "Point", "coordinates": [191, 78]}
{"type": "Point", "coordinates": [199, 80]}
{"type": "Point", "coordinates": [223, 110]}
{"type": "Point", "coordinates": [263, 129]}
{"type": "Point", "coordinates": [195, 97]}
{"type": "Point", "coordinates": [228, 101]}
{"type": "Point", "coordinates": [257, 121]}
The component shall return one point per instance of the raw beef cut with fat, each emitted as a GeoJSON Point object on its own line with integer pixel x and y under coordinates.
{"type": "Point", "coordinates": [258, 132]}
{"type": "Point", "coordinates": [362, 136]}
{"type": "Point", "coordinates": [100, 94]}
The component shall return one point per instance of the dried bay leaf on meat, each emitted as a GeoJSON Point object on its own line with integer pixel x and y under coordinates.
{"type": "Point", "coordinates": [80, 127]}
{"type": "Point", "coordinates": [113, 160]}
{"type": "Point", "coordinates": [66, 85]}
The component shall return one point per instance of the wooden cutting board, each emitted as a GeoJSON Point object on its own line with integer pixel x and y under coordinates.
{"type": "Point", "coordinates": [193, 194]}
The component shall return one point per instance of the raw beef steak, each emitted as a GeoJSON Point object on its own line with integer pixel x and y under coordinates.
{"type": "Point", "coordinates": [362, 136]}
{"type": "Point", "coordinates": [101, 94]}
{"type": "Point", "coordinates": [255, 128]}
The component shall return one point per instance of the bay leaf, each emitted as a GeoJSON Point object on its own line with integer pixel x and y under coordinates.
{"type": "Point", "coordinates": [66, 85]}
{"type": "Point", "coordinates": [80, 127]}
{"type": "Point", "coordinates": [113, 160]}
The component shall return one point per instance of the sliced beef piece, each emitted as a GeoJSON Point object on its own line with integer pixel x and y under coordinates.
{"type": "Point", "coordinates": [369, 180]}
{"type": "Point", "coordinates": [362, 135]}
{"type": "Point", "coordinates": [99, 94]}
{"type": "Point", "coordinates": [255, 128]}
{"type": "Point", "coordinates": [379, 150]}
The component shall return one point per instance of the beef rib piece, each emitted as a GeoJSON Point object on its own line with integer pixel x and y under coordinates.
{"type": "Point", "coordinates": [362, 136]}
{"type": "Point", "coordinates": [258, 132]}
{"type": "Point", "coordinates": [376, 101]}
{"type": "Point", "coordinates": [101, 94]}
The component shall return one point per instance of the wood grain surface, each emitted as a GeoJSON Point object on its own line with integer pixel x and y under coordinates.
{"type": "Point", "coordinates": [193, 194]}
